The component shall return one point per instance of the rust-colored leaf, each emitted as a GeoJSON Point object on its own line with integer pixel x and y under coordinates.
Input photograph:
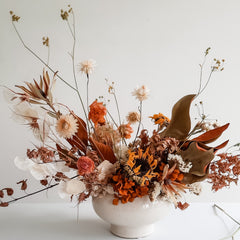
{"type": "Point", "coordinates": [104, 151]}
{"type": "Point", "coordinates": [221, 146]}
{"type": "Point", "coordinates": [211, 135]}
{"type": "Point", "coordinates": [180, 123]}
{"type": "Point", "coordinates": [9, 191]}
{"type": "Point", "coordinates": [182, 206]}
{"type": "Point", "coordinates": [23, 184]}
{"type": "Point", "coordinates": [80, 139]}
{"type": "Point", "coordinates": [1, 194]}
{"type": "Point", "coordinates": [4, 204]}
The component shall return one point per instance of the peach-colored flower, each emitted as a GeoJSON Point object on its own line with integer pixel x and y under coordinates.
{"type": "Point", "coordinates": [66, 126]}
{"type": "Point", "coordinates": [85, 165]}
{"type": "Point", "coordinates": [125, 130]}
{"type": "Point", "coordinates": [97, 113]}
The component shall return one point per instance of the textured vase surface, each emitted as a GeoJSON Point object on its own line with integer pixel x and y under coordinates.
{"type": "Point", "coordinates": [134, 219]}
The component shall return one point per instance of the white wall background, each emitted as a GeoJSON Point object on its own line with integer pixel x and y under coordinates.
{"type": "Point", "coordinates": [159, 43]}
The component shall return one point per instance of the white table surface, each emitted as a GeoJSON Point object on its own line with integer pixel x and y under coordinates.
{"type": "Point", "coordinates": [59, 221]}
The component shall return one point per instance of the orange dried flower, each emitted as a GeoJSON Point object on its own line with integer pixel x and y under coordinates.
{"type": "Point", "coordinates": [127, 190]}
{"type": "Point", "coordinates": [115, 201]}
{"type": "Point", "coordinates": [85, 165]}
{"type": "Point", "coordinates": [125, 130]}
{"type": "Point", "coordinates": [97, 113]}
{"type": "Point", "coordinates": [160, 119]}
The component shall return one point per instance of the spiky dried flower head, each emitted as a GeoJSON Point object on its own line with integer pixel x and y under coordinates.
{"type": "Point", "coordinates": [133, 117]}
{"type": "Point", "coordinates": [141, 93]}
{"type": "Point", "coordinates": [125, 130]}
{"type": "Point", "coordinates": [39, 91]}
{"type": "Point", "coordinates": [66, 126]}
{"type": "Point", "coordinates": [87, 66]}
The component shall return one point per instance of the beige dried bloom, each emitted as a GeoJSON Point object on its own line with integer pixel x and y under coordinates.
{"type": "Point", "coordinates": [87, 66]}
{"type": "Point", "coordinates": [66, 126]}
{"type": "Point", "coordinates": [141, 93]}
{"type": "Point", "coordinates": [107, 134]}
{"type": "Point", "coordinates": [133, 117]}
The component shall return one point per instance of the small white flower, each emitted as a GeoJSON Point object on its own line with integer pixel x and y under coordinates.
{"type": "Point", "coordinates": [105, 169]}
{"type": "Point", "coordinates": [23, 164]}
{"type": "Point", "coordinates": [141, 93]}
{"type": "Point", "coordinates": [41, 171]}
{"type": "Point", "coordinates": [71, 187]}
{"type": "Point", "coordinates": [87, 66]}
{"type": "Point", "coordinates": [183, 167]}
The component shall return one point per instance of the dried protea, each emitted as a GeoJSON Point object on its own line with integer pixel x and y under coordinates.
{"type": "Point", "coordinates": [41, 91]}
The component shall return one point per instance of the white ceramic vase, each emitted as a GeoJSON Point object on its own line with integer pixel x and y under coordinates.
{"type": "Point", "coordinates": [134, 219]}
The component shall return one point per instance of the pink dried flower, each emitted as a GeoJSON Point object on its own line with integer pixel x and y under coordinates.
{"type": "Point", "coordinates": [85, 165]}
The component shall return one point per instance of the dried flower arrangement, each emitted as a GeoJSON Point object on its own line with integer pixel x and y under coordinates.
{"type": "Point", "coordinates": [98, 156]}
